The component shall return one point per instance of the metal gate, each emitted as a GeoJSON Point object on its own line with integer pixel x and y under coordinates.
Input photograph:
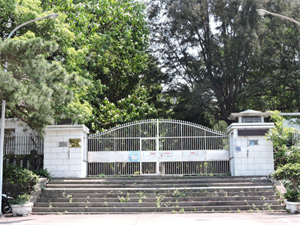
{"type": "Point", "coordinates": [159, 146]}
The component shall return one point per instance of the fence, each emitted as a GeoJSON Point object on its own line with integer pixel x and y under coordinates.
{"type": "Point", "coordinates": [26, 151]}
{"type": "Point", "coordinates": [159, 146]}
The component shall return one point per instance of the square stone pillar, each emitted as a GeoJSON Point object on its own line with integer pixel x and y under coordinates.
{"type": "Point", "coordinates": [65, 150]}
{"type": "Point", "coordinates": [250, 153]}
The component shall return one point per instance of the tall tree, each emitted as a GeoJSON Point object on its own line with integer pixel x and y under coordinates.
{"type": "Point", "coordinates": [209, 47]}
{"type": "Point", "coordinates": [34, 89]}
{"type": "Point", "coordinates": [111, 39]}
{"type": "Point", "coordinates": [280, 47]}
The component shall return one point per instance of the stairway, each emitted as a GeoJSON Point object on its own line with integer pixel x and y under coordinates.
{"type": "Point", "coordinates": [169, 194]}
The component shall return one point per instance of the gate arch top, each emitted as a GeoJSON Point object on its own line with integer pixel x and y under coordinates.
{"type": "Point", "coordinates": [157, 128]}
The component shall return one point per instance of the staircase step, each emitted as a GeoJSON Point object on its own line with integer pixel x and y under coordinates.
{"type": "Point", "coordinates": [167, 194]}
{"type": "Point", "coordinates": [157, 209]}
{"type": "Point", "coordinates": [165, 199]}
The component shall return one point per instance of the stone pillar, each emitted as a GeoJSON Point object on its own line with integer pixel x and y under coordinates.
{"type": "Point", "coordinates": [65, 151]}
{"type": "Point", "coordinates": [250, 153]}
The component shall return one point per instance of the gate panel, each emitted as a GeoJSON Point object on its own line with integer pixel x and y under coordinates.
{"type": "Point", "coordinates": [158, 147]}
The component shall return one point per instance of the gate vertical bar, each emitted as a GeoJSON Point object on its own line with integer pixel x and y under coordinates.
{"type": "Point", "coordinates": [157, 147]}
{"type": "Point", "coordinates": [115, 152]}
{"type": "Point", "coordinates": [181, 149]}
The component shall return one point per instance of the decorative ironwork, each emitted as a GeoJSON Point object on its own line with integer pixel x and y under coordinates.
{"type": "Point", "coordinates": [26, 151]}
{"type": "Point", "coordinates": [158, 142]}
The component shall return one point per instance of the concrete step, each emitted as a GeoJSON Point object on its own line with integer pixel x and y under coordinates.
{"type": "Point", "coordinates": [134, 185]}
{"type": "Point", "coordinates": [173, 193]}
{"type": "Point", "coordinates": [167, 193]}
{"type": "Point", "coordinates": [158, 194]}
{"type": "Point", "coordinates": [155, 203]}
{"type": "Point", "coordinates": [108, 209]}
{"type": "Point", "coordinates": [143, 180]}
{"type": "Point", "coordinates": [153, 199]}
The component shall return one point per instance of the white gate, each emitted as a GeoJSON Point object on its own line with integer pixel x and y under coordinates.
{"type": "Point", "coordinates": [159, 146]}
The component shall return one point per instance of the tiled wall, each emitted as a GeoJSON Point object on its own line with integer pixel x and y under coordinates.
{"type": "Point", "coordinates": [60, 159]}
{"type": "Point", "coordinates": [250, 160]}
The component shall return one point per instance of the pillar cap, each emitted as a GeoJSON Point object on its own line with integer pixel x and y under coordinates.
{"type": "Point", "coordinates": [249, 112]}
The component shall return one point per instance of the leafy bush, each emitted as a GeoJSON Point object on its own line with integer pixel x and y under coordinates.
{"type": "Point", "coordinates": [43, 173]}
{"type": "Point", "coordinates": [292, 195]}
{"type": "Point", "coordinates": [287, 156]}
{"type": "Point", "coordinates": [282, 138]}
{"type": "Point", "coordinates": [291, 172]}
{"type": "Point", "coordinates": [20, 199]}
{"type": "Point", "coordinates": [21, 177]}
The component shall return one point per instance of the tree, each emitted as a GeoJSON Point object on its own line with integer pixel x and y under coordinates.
{"type": "Point", "coordinates": [220, 55]}
{"type": "Point", "coordinates": [35, 90]}
{"type": "Point", "coordinates": [280, 46]}
{"type": "Point", "coordinates": [111, 40]}
{"type": "Point", "coordinates": [102, 41]}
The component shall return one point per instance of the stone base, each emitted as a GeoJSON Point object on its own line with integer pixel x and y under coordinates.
{"type": "Point", "coordinates": [22, 210]}
{"type": "Point", "coordinates": [292, 207]}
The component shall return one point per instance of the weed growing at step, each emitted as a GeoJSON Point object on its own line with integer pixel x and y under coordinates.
{"type": "Point", "coordinates": [238, 210]}
{"type": "Point", "coordinates": [263, 198]}
{"type": "Point", "coordinates": [122, 199]}
{"type": "Point", "coordinates": [141, 195]}
{"type": "Point", "coordinates": [50, 205]}
{"type": "Point", "coordinates": [158, 200]}
{"type": "Point", "coordinates": [246, 202]}
{"type": "Point", "coordinates": [70, 198]}
{"type": "Point", "coordinates": [181, 210]}
{"type": "Point", "coordinates": [102, 175]}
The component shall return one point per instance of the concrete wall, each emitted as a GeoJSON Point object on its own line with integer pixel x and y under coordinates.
{"type": "Point", "coordinates": [19, 126]}
{"type": "Point", "coordinates": [246, 159]}
{"type": "Point", "coordinates": [60, 158]}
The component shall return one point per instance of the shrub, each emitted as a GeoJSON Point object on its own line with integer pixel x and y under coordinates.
{"type": "Point", "coordinates": [291, 172]}
{"type": "Point", "coordinates": [292, 195]}
{"type": "Point", "coordinates": [20, 199]}
{"type": "Point", "coordinates": [21, 177]}
{"type": "Point", "coordinates": [43, 173]}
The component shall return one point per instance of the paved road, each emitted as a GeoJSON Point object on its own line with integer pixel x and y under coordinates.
{"type": "Point", "coordinates": [157, 219]}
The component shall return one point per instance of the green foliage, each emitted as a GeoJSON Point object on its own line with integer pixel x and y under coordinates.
{"type": "Point", "coordinates": [133, 107]}
{"type": "Point", "coordinates": [44, 173]}
{"type": "Point", "coordinates": [292, 195]}
{"type": "Point", "coordinates": [291, 172]}
{"type": "Point", "coordinates": [20, 177]}
{"type": "Point", "coordinates": [102, 41]}
{"type": "Point", "coordinates": [222, 57]}
{"type": "Point", "coordinates": [35, 90]}
{"type": "Point", "coordinates": [286, 155]}
{"type": "Point", "coordinates": [20, 199]}
{"type": "Point", "coordinates": [284, 149]}
{"type": "Point", "coordinates": [109, 50]}
{"type": "Point", "coordinates": [208, 50]}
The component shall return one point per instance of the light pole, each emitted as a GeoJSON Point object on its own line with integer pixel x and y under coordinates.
{"type": "Point", "coordinates": [50, 16]}
{"type": "Point", "coordinates": [263, 12]}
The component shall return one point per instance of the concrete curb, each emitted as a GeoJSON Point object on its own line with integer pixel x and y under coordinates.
{"type": "Point", "coordinates": [38, 189]}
